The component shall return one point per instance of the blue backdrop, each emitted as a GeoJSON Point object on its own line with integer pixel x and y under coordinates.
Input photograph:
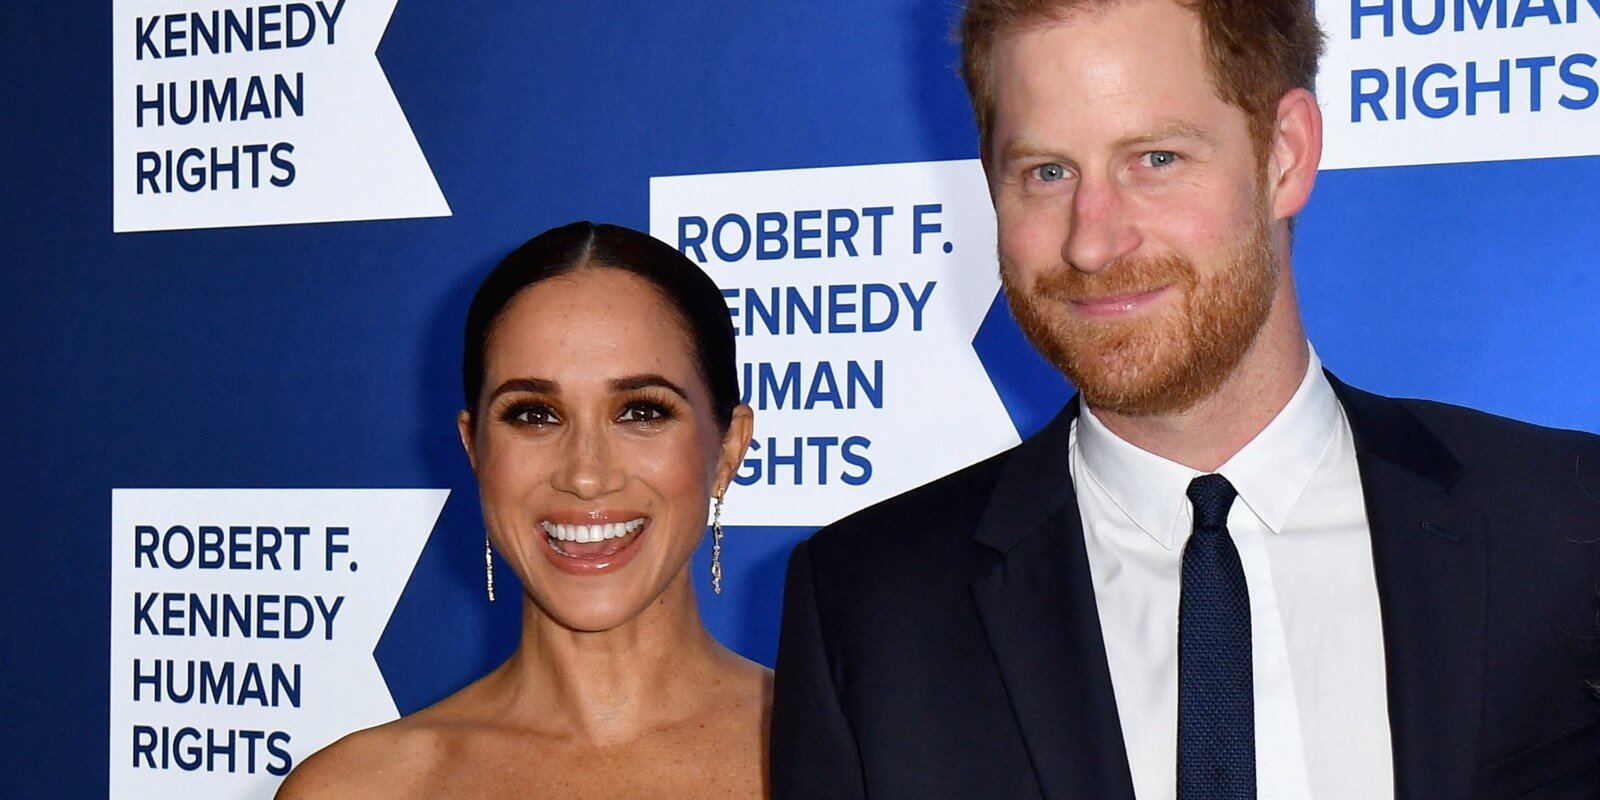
{"type": "Point", "coordinates": [327, 355]}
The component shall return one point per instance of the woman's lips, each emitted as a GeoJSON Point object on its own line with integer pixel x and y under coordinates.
{"type": "Point", "coordinates": [1114, 305]}
{"type": "Point", "coordinates": [590, 543]}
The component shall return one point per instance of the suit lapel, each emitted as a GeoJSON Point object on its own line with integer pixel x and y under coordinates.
{"type": "Point", "coordinates": [1429, 554]}
{"type": "Point", "coordinates": [1037, 606]}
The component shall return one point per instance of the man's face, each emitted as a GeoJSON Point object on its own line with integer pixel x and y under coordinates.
{"type": "Point", "coordinates": [1133, 230]}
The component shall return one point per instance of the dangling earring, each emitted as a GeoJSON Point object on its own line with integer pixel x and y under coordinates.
{"type": "Point", "coordinates": [488, 567]}
{"type": "Point", "coordinates": [716, 546]}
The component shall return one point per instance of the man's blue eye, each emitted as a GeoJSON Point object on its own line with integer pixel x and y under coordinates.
{"type": "Point", "coordinates": [1161, 158]}
{"type": "Point", "coordinates": [1050, 172]}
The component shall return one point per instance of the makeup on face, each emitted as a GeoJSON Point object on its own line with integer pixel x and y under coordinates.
{"type": "Point", "coordinates": [596, 447]}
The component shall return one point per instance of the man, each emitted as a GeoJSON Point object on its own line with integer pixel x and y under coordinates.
{"type": "Point", "coordinates": [1219, 573]}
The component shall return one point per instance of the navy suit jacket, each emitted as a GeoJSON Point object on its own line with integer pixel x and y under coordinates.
{"type": "Point", "coordinates": [946, 644]}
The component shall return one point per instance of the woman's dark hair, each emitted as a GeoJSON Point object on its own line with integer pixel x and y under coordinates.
{"type": "Point", "coordinates": [579, 245]}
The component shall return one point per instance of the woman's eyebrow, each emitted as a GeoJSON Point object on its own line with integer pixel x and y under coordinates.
{"type": "Point", "coordinates": [647, 380]}
{"type": "Point", "coordinates": [536, 385]}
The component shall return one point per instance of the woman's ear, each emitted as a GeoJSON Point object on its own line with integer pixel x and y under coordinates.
{"type": "Point", "coordinates": [464, 425]}
{"type": "Point", "coordinates": [735, 441]}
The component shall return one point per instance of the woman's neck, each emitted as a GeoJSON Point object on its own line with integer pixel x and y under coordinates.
{"type": "Point", "coordinates": [611, 686]}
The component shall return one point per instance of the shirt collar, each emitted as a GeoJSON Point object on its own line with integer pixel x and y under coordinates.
{"type": "Point", "coordinates": [1270, 472]}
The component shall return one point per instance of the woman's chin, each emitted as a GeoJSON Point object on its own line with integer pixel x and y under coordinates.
{"type": "Point", "coordinates": [594, 614]}
{"type": "Point", "coordinates": [596, 603]}
{"type": "Point", "coordinates": [597, 586]}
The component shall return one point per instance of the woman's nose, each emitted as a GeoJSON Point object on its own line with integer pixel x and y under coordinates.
{"type": "Point", "coordinates": [589, 467]}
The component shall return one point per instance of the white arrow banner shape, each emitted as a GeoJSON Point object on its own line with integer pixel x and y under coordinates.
{"type": "Point", "coordinates": [1407, 82]}
{"type": "Point", "coordinates": [856, 293]}
{"type": "Point", "coordinates": [228, 114]}
{"type": "Point", "coordinates": [243, 623]}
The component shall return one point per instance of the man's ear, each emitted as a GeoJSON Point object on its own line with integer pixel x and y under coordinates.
{"type": "Point", "coordinates": [1296, 151]}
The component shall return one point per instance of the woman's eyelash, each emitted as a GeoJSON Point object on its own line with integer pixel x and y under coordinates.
{"type": "Point", "coordinates": [643, 408]}
{"type": "Point", "coordinates": [656, 409]}
{"type": "Point", "coordinates": [537, 412]}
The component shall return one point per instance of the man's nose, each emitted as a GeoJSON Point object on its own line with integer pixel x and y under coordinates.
{"type": "Point", "coordinates": [1101, 229]}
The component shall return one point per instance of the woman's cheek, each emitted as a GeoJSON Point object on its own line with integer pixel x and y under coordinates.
{"type": "Point", "coordinates": [675, 459]}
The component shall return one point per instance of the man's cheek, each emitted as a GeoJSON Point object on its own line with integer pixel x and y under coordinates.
{"type": "Point", "coordinates": [1029, 240]}
{"type": "Point", "coordinates": [1202, 225]}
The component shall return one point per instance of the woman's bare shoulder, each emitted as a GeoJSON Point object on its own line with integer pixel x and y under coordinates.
{"type": "Point", "coordinates": [389, 762]}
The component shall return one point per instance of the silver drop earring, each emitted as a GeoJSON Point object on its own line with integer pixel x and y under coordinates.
{"type": "Point", "coordinates": [716, 547]}
{"type": "Point", "coordinates": [488, 567]}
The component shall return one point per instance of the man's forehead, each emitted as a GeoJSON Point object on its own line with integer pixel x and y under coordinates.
{"type": "Point", "coordinates": [1143, 50]}
{"type": "Point", "coordinates": [1141, 73]}
{"type": "Point", "coordinates": [1082, 12]}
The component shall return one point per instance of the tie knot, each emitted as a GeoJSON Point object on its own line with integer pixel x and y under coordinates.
{"type": "Point", "coordinates": [1212, 496]}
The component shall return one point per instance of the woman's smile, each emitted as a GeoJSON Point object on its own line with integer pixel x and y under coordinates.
{"type": "Point", "coordinates": [601, 543]}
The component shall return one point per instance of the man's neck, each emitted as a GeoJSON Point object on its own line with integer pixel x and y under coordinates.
{"type": "Point", "coordinates": [1206, 435]}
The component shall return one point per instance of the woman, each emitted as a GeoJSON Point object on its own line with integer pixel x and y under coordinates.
{"type": "Point", "coordinates": [602, 418]}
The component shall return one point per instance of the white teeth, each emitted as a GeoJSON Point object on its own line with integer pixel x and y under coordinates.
{"type": "Point", "coordinates": [591, 533]}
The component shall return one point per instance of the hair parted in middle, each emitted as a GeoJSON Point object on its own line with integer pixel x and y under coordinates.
{"type": "Point", "coordinates": [586, 245]}
{"type": "Point", "coordinates": [1256, 51]}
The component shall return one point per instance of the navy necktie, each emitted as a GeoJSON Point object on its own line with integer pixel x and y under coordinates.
{"type": "Point", "coordinates": [1216, 690]}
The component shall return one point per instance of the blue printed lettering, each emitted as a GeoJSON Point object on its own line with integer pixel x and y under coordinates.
{"type": "Point", "coordinates": [222, 615]}
{"type": "Point", "coordinates": [803, 232]}
{"type": "Point", "coordinates": [919, 227]}
{"type": "Point", "coordinates": [1360, 10]}
{"type": "Point", "coordinates": [853, 450]}
{"type": "Point", "coordinates": [796, 385]}
{"type": "Point", "coordinates": [778, 235]}
{"type": "Point", "coordinates": [717, 238]}
{"type": "Point", "coordinates": [766, 463]}
{"type": "Point", "coordinates": [1480, 13]}
{"type": "Point", "coordinates": [831, 309]}
{"type": "Point", "coordinates": [845, 237]}
{"type": "Point", "coordinates": [212, 750]}
{"type": "Point", "coordinates": [1545, 9]}
{"type": "Point", "coordinates": [1570, 76]}
{"type": "Point", "coordinates": [1535, 68]}
{"type": "Point", "coordinates": [770, 240]}
{"type": "Point", "coordinates": [1448, 94]}
{"type": "Point", "coordinates": [1423, 28]}
{"type": "Point", "coordinates": [1361, 97]}
{"type": "Point", "coordinates": [838, 308]}
{"type": "Point", "coordinates": [221, 31]}
{"type": "Point", "coordinates": [692, 232]}
{"type": "Point", "coordinates": [1500, 87]}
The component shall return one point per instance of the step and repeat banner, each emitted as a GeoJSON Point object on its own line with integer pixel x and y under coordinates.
{"type": "Point", "coordinates": [241, 239]}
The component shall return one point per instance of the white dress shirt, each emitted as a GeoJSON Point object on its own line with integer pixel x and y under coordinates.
{"type": "Point", "coordinates": [1300, 526]}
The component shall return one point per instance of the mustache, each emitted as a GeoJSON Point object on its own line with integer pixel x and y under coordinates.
{"type": "Point", "coordinates": [1124, 276]}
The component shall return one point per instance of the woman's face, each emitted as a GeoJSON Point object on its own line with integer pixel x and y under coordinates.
{"type": "Point", "coordinates": [595, 446]}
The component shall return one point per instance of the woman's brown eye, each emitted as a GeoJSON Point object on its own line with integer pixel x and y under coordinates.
{"type": "Point", "coordinates": [531, 415]}
{"type": "Point", "coordinates": [643, 413]}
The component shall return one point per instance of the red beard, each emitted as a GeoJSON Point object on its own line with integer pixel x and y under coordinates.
{"type": "Point", "coordinates": [1159, 362]}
